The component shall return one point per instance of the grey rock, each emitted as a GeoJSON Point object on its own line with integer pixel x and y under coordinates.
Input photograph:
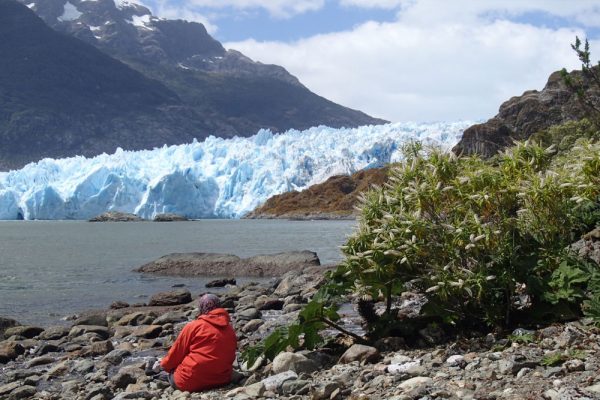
{"type": "Point", "coordinates": [360, 353]}
{"type": "Point", "coordinates": [98, 319]}
{"type": "Point", "coordinates": [26, 331]}
{"type": "Point", "coordinates": [295, 387]}
{"type": "Point", "coordinates": [54, 333]}
{"type": "Point", "coordinates": [116, 216]}
{"type": "Point", "coordinates": [274, 382]}
{"type": "Point", "coordinates": [171, 317]}
{"type": "Point", "coordinates": [43, 360]}
{"type": "Point", "coordinates": [122, 379]}
{"type": "Point", "coordinates": [116, 356]}
{"type": "Point", "coordinates": [295, 362]}
{"type": "Point", "coordinates": [22, 392]}
{"type": "Point", "coordinates": [10, 350]}
{"type": "Point", "coordinates": [172, 298]}
{"type": "Point", "coordinates": [78, 330]}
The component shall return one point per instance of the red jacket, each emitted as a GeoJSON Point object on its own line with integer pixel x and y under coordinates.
{"type": "Point", "coordinates": [203, 354]}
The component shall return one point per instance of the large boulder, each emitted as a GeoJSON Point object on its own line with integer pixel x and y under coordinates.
{"type": "Point", "coordinates": [360, 353]}
{"type": "Point", "coordinates": [295, 362]}
{"type": "Point", "coordinates": [172, 298]}
{"type": "Point", "coordinates": [212, 264]}
{"type": "Point", "coordinates": [524, 115]}
{"type": "Point", "coordinates": [9, 351]}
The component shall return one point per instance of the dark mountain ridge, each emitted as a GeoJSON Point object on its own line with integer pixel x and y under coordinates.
{"type": "Point", "coordinates": [136, 82]}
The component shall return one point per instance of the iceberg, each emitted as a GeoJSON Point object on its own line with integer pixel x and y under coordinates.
{"type": "Point", "coordinates": [216, 178]}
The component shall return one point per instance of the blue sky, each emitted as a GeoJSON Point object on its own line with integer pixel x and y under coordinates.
{"type": "Point", "coordinates": [419, 60]}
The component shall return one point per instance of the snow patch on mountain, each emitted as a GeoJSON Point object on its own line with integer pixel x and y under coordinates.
{"type": "Point", "coordinates": [70, 13]}
{"type": "Point", "coordinates": [216, 178]}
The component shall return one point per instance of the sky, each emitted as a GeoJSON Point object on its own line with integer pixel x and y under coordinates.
{"type": "Point", "coordinates": [404, 60]}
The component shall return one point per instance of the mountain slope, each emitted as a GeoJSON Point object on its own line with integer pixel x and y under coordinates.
{"type": "Point", "coordinates": [60, 96]}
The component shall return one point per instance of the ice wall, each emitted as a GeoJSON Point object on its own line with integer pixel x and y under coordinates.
{"type": "Point", "coordinates": [217, 178]}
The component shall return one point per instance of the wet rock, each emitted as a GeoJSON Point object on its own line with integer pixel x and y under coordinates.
{"type": "Point", "coordinates": [248, 314]}
{"type": "Point", "coordinates": [295, 362]}
{"type": "Point", "coordinates": [172, 298]}
{"type": "Point", "coordinates": [252, 326]}
{"type": "Point", "coordinates": [54, 333]}
{"type": "Point", "coordinates": [360, 353]}
{"type": "Point", "coordinates": [26, 331]}
{"type": "Point", "coordinates": [221, 282]}
{"type": "Point", "coordinates": [9, 351]}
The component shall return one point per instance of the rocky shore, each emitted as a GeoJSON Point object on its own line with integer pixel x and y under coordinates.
{"type": "Point", "coordinates": [101, 355]}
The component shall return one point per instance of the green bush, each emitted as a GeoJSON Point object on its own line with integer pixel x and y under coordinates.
{"type": "Point", "coordinates": [482, 241]}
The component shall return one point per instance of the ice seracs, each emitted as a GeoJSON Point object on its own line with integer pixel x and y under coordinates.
{"type": "Point", "coordinates": [217, 178]}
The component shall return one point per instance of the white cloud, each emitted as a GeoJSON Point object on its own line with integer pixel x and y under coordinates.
{"type": "Point", "coordinates": [385, 4]}
{"type": "Point", "coordinates": [276, 8]}
{"type": "Point", "coordinates": [438, 61]}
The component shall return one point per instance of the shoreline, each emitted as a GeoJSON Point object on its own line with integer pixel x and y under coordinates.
{"type": "Point", "coordinates": [102, 355]}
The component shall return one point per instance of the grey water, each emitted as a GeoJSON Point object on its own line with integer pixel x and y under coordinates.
{"type": "Point", "coordinates": [53, 269]}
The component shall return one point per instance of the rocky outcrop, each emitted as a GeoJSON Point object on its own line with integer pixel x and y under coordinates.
{"type": "Point", "coordinates": [213, 264]}
{"type": "Point", "coordinates": [524, 115]}
{"type": "Point", "coordinates": [116, 216]}
{"type": "Point", "coordinates": [333, 199]}
{"type": "Point", "coordinates": [169, 217]}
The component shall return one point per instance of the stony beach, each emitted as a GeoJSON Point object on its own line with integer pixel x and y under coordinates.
{"type": "Point", "coordinates": [102, 354]}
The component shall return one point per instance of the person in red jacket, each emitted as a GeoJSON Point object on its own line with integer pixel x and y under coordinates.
{"type": "Point", "coordinates": [202, 356]}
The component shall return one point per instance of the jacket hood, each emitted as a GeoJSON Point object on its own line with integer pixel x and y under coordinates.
{"type": "Point", "coordinates": [218, 317]}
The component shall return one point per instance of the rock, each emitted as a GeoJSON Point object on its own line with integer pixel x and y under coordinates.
{"type": "Point", "coordinates": [121, 379]}
{"type": "Point", "coordinates": [79, 330]}
{"type": "Point", "coordinates": [82, 367]}
{"type": "Point", "coordinates": [27, 331]}
{"type": "Point", "coordinates": [59, 369]}
{"type": "Point", "coordinates": [574, 365]}
{"type": "Point", "coordinates": [147, 331]}
{"type": "Point", "coordinates": [253, 391]}
{"type": "Point", "coordinates": [6, 323]}
{"type": "Point", "coordinates": [295, 387]}
{"type": "Point", "coordinates": [136, 318]}
{"type": "Point", "coordinates": [172, 298]}
{"type": "Point", "coordinates": [46, 348]}
{"type": "Point", "coordinates": [248, 314]}
{"type": "Point", "coordinates": [295, 362]}
{"type": "Point", "coordinates": [23, 392]}
{"type": "Point", "coordinates": [252, 325]}
{"type": "Point", "coordinates": [170, 217]}
{"type": "Point", "coordinates": [324, 391]}
{"type": "Point", "coordinates": [97, 319]}
{"type": "Point", "coordinates": [220, 283]}
{"type": "Point", "coordinates": [9, 351]}
{"type": "Point", "coordinates": [40, 361]}
{"type": "Point", "coordinates": [456, 361]}
{"type": "Point", "coordinates": [271, 304]}
{"type": "Point", "coordinates": [54, 333]}
{"type": "Point", "coordinates": [116, 216]}
{"type": "Point", "coordinates": [9, 387]}
{"type": "Point", "coordinates": [212, 264]}
{"type": "Point", "coordinates": [411, 368]}
{"type": "Point", "coordinates": [117, 305]}
{"type": "Point", "coordinates": [522, 116]}
{"type": "Point", "coordinates": [274, 382]}
{"type": "Point", "coordinates": [592, 389]}
{"type": "Point", "coordinates": [360, 353]}
{"type": "Point", "coordinates": [98, 349]}
{"type": "Point", "coordinates": [415, 383]}
{"type": "Point", "coordinates": [171, 317]}
{"type": "Point", "coordinates": [116, 356]}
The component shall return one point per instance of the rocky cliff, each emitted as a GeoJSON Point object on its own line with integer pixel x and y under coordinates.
{"type": "Point", "coordinates": [522, 116]}
{"type": "Point", "coordinates": [333, 199]}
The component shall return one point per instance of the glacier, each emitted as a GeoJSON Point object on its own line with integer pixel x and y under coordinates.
{"type": "Point", "coordinates": [215, 178]}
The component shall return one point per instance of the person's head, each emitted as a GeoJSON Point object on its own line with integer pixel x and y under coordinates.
{"type": "Point", "coordinates": [207, 303]}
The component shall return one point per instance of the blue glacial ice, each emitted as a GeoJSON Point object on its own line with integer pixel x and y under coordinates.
{"type": "Point", "coordinates": [216, 178]}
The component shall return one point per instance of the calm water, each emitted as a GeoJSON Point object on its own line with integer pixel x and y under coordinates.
{"type": "Point", "coordinates": [50, 269]}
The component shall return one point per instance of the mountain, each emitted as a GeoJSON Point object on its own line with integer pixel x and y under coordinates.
{"type": "Point", "coordinates": [224, 178]}
{"type": "Point", "coordinates": [522, 116]}
{"type": "Point", "coordinates": [109, 76]}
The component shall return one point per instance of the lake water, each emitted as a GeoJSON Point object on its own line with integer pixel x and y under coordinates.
{"type": "Point", "coordinates": [51, 269]}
